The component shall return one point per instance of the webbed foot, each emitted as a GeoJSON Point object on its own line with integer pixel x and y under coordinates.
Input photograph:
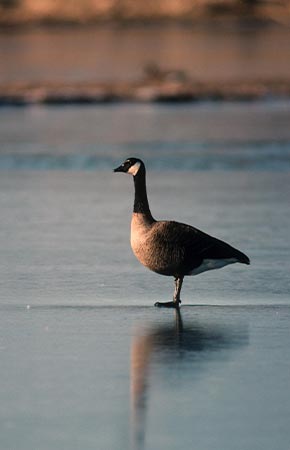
{"type": "Point", "coordinates": [168, 304]}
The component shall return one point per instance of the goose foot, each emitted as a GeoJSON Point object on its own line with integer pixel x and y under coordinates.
{"type": "Point", "coordinates": [176, 297]}
{"type": "Point", "coordinates": [167, 304]}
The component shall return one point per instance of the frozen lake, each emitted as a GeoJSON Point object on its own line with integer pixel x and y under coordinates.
{"type": "Point", "coordinates": [86, 360]}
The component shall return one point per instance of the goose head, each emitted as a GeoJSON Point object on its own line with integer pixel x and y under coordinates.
{"type": "Point", "coordinates": [131, 166]}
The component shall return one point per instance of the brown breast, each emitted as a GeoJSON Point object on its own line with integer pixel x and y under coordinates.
{"type": "Point", "coordinates": [148, 247]}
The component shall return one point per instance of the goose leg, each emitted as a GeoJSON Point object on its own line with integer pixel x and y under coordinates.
{"type": "Point", "coordinates": [178, 285]}
{"type": "Point", "coordinates": [176, 296]}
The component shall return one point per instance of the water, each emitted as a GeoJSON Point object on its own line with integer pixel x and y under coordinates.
{"type": "Point", "coordinates": [120, 53]}
{"type": "Point", "coordinates": [206, 136]}
{"type": "Point", "coordinates": [86, 360]}
{"type": "Point", "coordinates": [134, 377]}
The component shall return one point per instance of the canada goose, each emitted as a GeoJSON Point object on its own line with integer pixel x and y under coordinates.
{"type": "Point", "coordinates": [168, 247]}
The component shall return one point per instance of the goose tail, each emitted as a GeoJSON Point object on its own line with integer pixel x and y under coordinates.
{"type": "Point", "coordinates": [242, 258]}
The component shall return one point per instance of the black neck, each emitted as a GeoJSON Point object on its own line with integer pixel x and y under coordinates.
{"type": "Point", "coordinates": [141, 204]}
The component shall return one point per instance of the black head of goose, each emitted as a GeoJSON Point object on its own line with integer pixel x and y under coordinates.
{"type": "Point", "coordinates": [169, 247]}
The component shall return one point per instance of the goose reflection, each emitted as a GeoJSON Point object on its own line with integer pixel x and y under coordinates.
{"type": "Point", "coordinates": [166, 344]}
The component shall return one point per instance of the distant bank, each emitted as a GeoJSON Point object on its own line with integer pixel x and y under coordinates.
{"type": "Point", "coordinates": [31, 12]}
{"type": "Point", "coordinates": [169, 89]}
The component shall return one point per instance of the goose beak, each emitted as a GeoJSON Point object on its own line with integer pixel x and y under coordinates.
{"type": "Point", "coordinates": [119, 169]}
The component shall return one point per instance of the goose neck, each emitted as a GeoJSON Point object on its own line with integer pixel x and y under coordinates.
{"type": "Point", "coordinates": [141, 204]}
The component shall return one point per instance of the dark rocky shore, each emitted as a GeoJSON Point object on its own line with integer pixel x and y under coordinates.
{"type": "Point", "coordinates": [168, 89]}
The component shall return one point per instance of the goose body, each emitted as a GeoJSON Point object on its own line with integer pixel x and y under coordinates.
{"type": "Point", "coordinates": [172, 248]}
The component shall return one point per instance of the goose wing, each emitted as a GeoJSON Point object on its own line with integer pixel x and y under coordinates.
{"type": "Point", "coordinates": [192, 246]}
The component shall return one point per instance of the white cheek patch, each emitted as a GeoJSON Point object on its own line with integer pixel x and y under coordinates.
{"type": "Point", "coordinates": [134, 169]}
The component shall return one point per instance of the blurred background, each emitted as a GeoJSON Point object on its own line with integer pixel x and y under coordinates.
{"type": "Point", "coordinates": [92, 11]}
{"type": "Point", "coordinates": [207, 63]}
{"type": "Point", "coordinates": [124, 40]}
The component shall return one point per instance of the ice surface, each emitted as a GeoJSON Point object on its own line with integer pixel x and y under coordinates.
{"type": "Point", "coordinates": [86, 360]}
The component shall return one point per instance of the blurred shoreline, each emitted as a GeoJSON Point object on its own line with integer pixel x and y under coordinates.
{"type": "Point", "coordinates": [109, 51]}
{"type": "Point", "coordinates": [168, 89]}
{"type": "Point", "coordinates": [54, 12]}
